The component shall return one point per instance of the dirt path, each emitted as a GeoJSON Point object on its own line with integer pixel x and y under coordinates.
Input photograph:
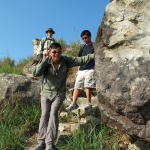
{"type": "Point", "coordinates": [32, 141]}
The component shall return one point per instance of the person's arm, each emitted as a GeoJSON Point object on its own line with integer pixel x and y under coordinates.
{"type": "Point", "coordinates": [78, 61]}
{"type": "Point", "coordinates": [39, 69]}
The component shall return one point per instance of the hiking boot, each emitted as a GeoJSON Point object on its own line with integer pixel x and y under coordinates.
{"type": "Point", "coordinates": [72, 106]}
{"type": "Point", "coordinates": [40, 147]}
{"type": "Point", "coordinates": [50, 147]}
{"type": "Point", "coordinates": [88, 106]}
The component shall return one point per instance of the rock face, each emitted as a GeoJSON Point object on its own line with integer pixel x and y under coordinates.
{"type": "Point", "coordinates": [17, 87]}
{"type": "Point", "coordinates": [122, 55]}
{"type": "Point", "coordinates": [27, 70]}
{"type": "Point", "coordinates": [35, 43]}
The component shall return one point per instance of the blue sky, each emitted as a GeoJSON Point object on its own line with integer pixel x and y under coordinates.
{"type": "Point", "coordinates": [21, 21]}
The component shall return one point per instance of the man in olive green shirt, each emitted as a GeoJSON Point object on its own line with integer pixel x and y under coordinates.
{"type": "Point", "coordinates": [54, 67]}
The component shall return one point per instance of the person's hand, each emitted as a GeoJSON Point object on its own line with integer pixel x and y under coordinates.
{"type": "Point", "coordinates": [46, 53]}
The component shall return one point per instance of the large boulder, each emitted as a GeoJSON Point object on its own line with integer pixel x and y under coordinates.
{"type": "Point", "coordinates": [122, 55]}
{"type": "Point", "coordinates": [18, 87]}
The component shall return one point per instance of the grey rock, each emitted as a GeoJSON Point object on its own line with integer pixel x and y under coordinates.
{"type": "Point", "coordinates": [63, 114]}
{"type": "Point", "coordinates": [35, 43]}
{"type": "Point", "coordinates": [93, 120]}
{"type": "Point", "coordinates": [18, 87]}
{"type": "Point", "coordinates": [122, 66]}
{"type": "Point", "coordinates": [81, 112]}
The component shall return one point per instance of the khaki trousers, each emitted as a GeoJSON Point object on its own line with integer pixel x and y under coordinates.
{"type": "Point", "coordinates": [48, 127]}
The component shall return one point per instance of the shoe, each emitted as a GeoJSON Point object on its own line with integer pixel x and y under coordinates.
{"type": "Point", "coordinates": [40, 147]}
{"type": "Point", "coordinates": [72, 106]}
{"type": "Point", "coordinates": [50, 147]}
{"type": "Point", "coordinates": [88, 106]}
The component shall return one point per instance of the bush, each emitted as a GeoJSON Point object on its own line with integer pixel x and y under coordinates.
{"type": "Point", "coordinates": [73, 49]}
{"type": "Point", "coordinates": [7, 65]}
{"type": "Point", "coordinates": [22, 63]}
{"type": "Point", "coordinates": [62, 43]}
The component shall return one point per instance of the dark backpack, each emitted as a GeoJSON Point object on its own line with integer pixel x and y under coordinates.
{"type": "Point", "coordinates": [81, 49]}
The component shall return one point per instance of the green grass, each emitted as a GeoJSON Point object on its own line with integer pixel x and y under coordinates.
{"type": "Point", "coordinates": [89, 138]}
{"type": "Point", "coordinates": [23, 62]}
{"type": "Point", "coordinates": [74, 49]}
{"type": "Point", "coordinates": [17, 123]}
{"type": "Point", "coordinates": [7, 65]}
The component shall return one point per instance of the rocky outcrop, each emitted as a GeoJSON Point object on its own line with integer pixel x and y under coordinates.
{"type": "Point", "coordinates": [35, 43]}
{"type": "Point", "coordinates": [17, 87]}
{"type": "Point", "coordinates": [27, 70]}
{"type": "Point", "coordinates": [122, 53]}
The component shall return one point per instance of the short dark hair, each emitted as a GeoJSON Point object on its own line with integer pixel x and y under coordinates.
{"type": "Point", "coordinates": [85, 32]}
{"type": "Point", "coordinates": [55, 45]}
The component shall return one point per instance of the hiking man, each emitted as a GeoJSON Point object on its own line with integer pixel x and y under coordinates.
{"type": "Point", "coordinates": [85, 76]}
{"type": "Point", "coordinates": [46, 42]}
{"type": "Point", "coordinates": [54, 67]}
{"type": "Point", "coordinates": [44, 45]}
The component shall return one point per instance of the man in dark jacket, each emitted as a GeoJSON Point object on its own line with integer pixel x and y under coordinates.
{"type": "Point", "coordinates": [85, 76]}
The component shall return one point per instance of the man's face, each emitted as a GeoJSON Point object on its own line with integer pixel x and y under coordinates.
{"type": "Point", "coordinates": [86, 39]}
{"type": "Point", "coordinates": [49, 33]}
{"type": "Point", "coordinates": [55, 54]}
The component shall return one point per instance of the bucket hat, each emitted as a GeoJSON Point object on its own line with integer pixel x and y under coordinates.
{"type": "Point", "coordinates": [51, 30]}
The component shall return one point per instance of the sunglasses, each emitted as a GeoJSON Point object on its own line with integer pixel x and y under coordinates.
{"type": "Point", "coordinates": [84, 38]}
{"type": "Point", "coordinates": [54, 52]}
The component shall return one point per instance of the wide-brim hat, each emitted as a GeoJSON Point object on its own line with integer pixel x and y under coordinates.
{"type": "Point", "coordinates": [51, 30]}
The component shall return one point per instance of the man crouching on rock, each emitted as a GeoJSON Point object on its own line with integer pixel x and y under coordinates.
{"type": "Point", "coordinates": [54, 67]}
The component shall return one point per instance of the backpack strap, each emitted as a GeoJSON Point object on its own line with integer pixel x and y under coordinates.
{"type": "Point", "coordinates": [66, 61]}
{"type": "Point", "coordinates": [81, 49]}
{"type": "Point", "coordinates": [43, 42]}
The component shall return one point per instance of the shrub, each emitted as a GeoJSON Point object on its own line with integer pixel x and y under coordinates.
{"type": "Point", "coordinates": [24, 62]}
{"type": "Point", "coordinates": [62, 43]}
{"type": "Point", "coordinates": [7, 65]}
{"type": "Point", "coordinates": [73, 49]}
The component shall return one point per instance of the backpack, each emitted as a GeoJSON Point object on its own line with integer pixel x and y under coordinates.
{"type": "Point", "coordinates": [81, 49]}
{"type": "Point", "coordinates": [43, 42]}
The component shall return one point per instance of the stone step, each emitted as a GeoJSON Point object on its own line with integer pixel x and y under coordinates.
{"type": "Point", "coordinates": [81, 112]}
{"type": "Point", "coordinates": [71, 127]}
{"type": "Point", "coordinates": [82, 101]}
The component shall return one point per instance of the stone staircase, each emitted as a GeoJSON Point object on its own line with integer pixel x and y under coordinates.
{"type": "Point", "coordinates": [84, 118]}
